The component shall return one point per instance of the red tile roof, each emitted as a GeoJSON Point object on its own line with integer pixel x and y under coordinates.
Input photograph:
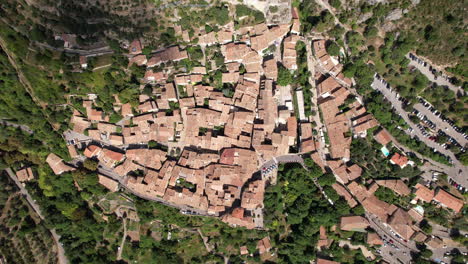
{"type": "Point", "coordinates": [383, 137]}
{"type": "Point", "coordinates": [399, 160]}
{"type": "Point", "coordinates": [448, 200]}
{"type": "Point", "coordinates": [354, 223]}
{"type": "Point", "coordinates": [423, 193]}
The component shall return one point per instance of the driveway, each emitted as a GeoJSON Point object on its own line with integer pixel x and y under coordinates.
{"type": "Point", "coordinates": [457, 172]}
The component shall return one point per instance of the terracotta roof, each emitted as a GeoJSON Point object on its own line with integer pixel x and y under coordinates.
{"type": "Point", "coordinates": [419, 237]}
{"type": "Point", "coordinates": [383, 137]}
{"type": "Point", "coordinates": [72, 151]}
{"type": "Point", "coordinates": [377, 207]}
{"type": "Point", "coordinates": [126, 110]}
{"type": "Point", "coordinates": [57, 164]}
{"type": "Point", "coordinates": [244, 250]}
{"type": "Point", "coordinates": [326, 261]}
{"type": "Point", "coordinates": [448, 200]}
{"type": "Point", "coordinates": [399, 160]}
{"type": "Point", "coordinates": [83, 60]}
{"type": "Point", "coordinates": [271, 69]}
{"type": "Point", "coordinates": [25, 174]}
{"type": "Point", "coordinates": [169, 54]}
{"type": "Point", "coordinates": [91, 151]}
{"type": "Point", "coordinates": [423, 193]}
{"type": "Point", "coordinates": [328, 85]}
{"type": "Point", "coordinates": [109, 183]}
{"type": "Point", "coordinates": [415, 215]}
{"type": "Point", "coordinates": [116, 156]}
{"type": "Point", "coordinates": [264, 245]}
{"type": "Point", "coordinates": [138, 60]}
{"type": "Point", "coordinates": [401, 222]}
{"type": "Point", "coordinates": [323, 232]}
{"type": "Point", "coordinates": [135, 47]}
{"type": "Point", "coordinates": [354, 223]}
{"type": "Point", "coordinates": [374, 239]}
{"type": "Point", "coordinates": [435, 242]}
{"type": "Point", "coordinates": [398, 186]}
{"type": "Point", "coordinates": [344, 193]}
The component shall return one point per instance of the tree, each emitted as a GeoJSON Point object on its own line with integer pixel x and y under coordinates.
{"type": "Point", "coordinates": [90, 164]}
{"type": "Point", "coordinates": [284, 76]}
{"type": "Point", "coordinates": [358, 210]}
{"type": "Point", "coordinates": [426, 253]}
{"type": "Point", "coordinates": [371, 32]}
{"type": "Point", "coordinates": [426, 227]}
{"type": "Point", "coordinates": [333, 49]}
{"type": "Point", "coordinates": [326, 179]}
{"type": "Point", "coordinates": [335, 3]}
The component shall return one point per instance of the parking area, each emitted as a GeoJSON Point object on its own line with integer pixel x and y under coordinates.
{"type": "Point", "coordinates": [431, 73]}
{"type": "Point", "coordinates": [437, 119]}
{"type": "Point", "coordinates": [457, 171]}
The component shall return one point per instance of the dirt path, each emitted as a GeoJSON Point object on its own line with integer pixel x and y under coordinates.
{"type": "Point", "coordinates": [119, 252]}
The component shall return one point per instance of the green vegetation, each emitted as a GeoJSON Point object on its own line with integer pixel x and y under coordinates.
{"type": "Point", "coordinates": [185, 244]}
{"type": "Point", "coordinates": [296, 196]}
{"type": "Point", "coordinates": [24, 237]}
{"type": "Point", "coordinates": [312, 19]}
{"type": "Point", "coordinates": [387, 195]}
{"type": "Point", "coordinates": [448, 103]}
{"type": "Point", "coordinates": [438, 27]}
{"type": "Point", "coordinates": [383, 112]}
{"type": "Point", "coordinates": [335, 3]}
{"type": "Point", "coordinates": [246, 15]}
{"type": "Point", "coordinates": [217, 15]}
{"type": "Point", "coordinates": [301, 79]}
{"type": "Point", "coordinates": [285, 77]}
{"type": "Point", "coordinates": [333, 49]}
{"type": "Point", "coordinates": [436, 214]}
{"type": "Point", "coordinates": [367, 155]}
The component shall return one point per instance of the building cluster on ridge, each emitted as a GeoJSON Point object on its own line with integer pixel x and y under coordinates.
{"type": "Point", "coordinates": [220, 141]}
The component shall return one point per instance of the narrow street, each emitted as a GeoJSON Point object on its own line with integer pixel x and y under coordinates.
{"type": "Point", "coordinates": [320, 127]}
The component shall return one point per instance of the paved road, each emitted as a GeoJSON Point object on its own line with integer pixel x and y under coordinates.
{"type": "Point", "coordinates": [457, 172]}
{"type": "Point", "coordinates": [440, 80]}
{"type": "Point", "coordinates": [440, 124]}
{"type": "Point", "coordinates": [62, 258]}
{"type": "Point", "coordinates": [400, 254]}
{"type": "Point", "coordinates": [87, 53]}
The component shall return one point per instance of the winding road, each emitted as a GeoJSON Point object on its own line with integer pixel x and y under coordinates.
{"type": "Point", "coordinates": [62, 258]}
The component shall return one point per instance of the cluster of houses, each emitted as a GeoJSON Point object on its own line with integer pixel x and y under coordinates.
{"type": "Point", "coordinates": [344, 119]}
{"type": "Point", "coordinates": [221, 141]}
